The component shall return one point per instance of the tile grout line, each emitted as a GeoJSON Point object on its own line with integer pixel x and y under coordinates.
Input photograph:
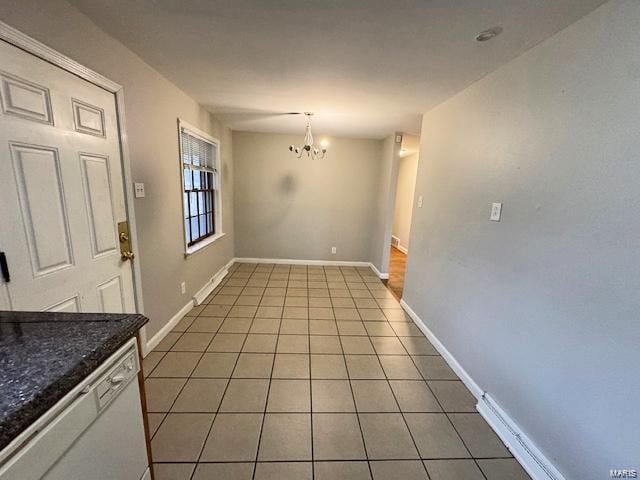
{"type": "Point", "coordinates": [266, 401]}
{"type": "Point", "coordinates": [355, 407]}
{"type": "Point", "coordinates": [346, 281]}
{"type": "Point", "coordinates": [166, 414]}
{"type": "Point", "coordinates": [437, 401]}
{"type": "Point", "coordinates": [337, 412]}
{"type": "Point", "coordinates": [169, 411]}
{"type": "Point", "coordinates": [404, 420]}
{"type": "Point", "coordinates": [402, 459]}
{"type": "Point", "coordinates": [215, 414]}
{"type": "Point", "coordinates": [223, 393]}
{"type": "Point", "coordinates": [313, 465]}
{"type": "Point", "coordinates": [445, 414]}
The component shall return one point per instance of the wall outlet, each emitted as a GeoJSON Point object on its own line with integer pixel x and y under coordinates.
{"type": "Point", "coordinates": [138, 189]}
{"type": "Point", "coordinates": [496, 211]}
{"type": "Point", "coordinates": [183, 287]}
{"type": "Point", "coordinates": [334, 250]}
{"type": "Point", "coordinates": [420, 198]}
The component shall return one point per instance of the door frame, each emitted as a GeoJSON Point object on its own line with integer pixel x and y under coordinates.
{"type": "Point", "coordinates": [48, 54]}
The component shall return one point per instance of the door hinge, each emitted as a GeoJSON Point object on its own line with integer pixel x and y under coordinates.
{"type": "Point", "coordinates": [4, 267]}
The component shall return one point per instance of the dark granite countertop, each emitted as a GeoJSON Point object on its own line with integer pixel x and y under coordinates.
{"type": "Point", "coordinates": [44, 355]}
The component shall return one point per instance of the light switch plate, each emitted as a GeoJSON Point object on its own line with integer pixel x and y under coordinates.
{"type": "Point", "coordinates": [496, 211]}
{"type": "Point", "coordinates": [138, 189]}
{"type": "Point", "coordinates": [420, 201]}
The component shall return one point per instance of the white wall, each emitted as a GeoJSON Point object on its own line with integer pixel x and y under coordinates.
{"type": "Point", "coordinates": [542, 308]}
{"type": "Point", "coordinates": [299, 208]}
{"type": "Point", "coordinates": [384, 206]}
{"type": "Point", "coordinates": [152, 106]}
{"type": "Point", "coordinates": [406, 184]}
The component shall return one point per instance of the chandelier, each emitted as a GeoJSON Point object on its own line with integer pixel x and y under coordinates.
{"type": "Point", "coordinates": [309, 148]}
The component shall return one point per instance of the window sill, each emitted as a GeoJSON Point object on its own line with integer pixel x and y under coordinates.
{"type": "Point", "coordinates": [201, 245]}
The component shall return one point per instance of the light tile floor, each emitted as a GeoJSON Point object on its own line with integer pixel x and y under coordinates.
{"type": "Point", "coordinates": [301, 372]}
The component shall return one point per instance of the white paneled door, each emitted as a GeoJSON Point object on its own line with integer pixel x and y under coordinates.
{"type": "Point", "coordinates": [61, 191]}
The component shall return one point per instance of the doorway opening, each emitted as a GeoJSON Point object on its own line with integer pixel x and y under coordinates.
{"type": "Point", "coordinates": [401, 226]}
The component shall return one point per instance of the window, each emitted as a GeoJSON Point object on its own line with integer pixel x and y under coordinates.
{"type": "Point", "coordinates": [199, 157]}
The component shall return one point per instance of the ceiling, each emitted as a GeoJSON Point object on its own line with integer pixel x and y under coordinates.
{"type": "Point", "coordinates": [365, 67]}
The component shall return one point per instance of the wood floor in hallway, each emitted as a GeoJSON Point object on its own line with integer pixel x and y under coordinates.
{"type": "Point", "coordinates": [397, 267]}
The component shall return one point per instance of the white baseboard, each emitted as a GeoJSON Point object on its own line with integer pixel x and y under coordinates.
{"type": "Point", "coordinates": [476, 391]}
{"type": "Point", "coordinates": [282, 261]}
{"type": "Point", "coordinates": [150, 344]}
{"type": "Point", "coordinates": [380, 275]}
{"type": "Point", "coordinates": [160, 334]}
{"type": "Point", "coordinates": [396, 243]}
{"type": "Point", "coordinates": [213, 282]}
{"type": "Point", "coordinates": [537, 465]}
{"type": "Point", "coordinates": [523, 449]}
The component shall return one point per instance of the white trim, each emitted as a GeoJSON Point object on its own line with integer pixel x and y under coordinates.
{"type": "Point", "coordinates": [402, 248]}
{"type": "Point", "coordinates": [160, 334]}
{"type": "Point", "coordinates": [208, 287]}
{"type": "Point", "coordinates": [537, 465]}
{"type": "Point", "coordinates": [196, 132]}
{"type": "Point", "coordinates": [217, 207]}
{"type": "Point", "coordinates": [281, 261]}
{"type": "Point", "coordinates": [39, 49]}
{"type": "Point", "coordinates": [130, 209]}
{"type": "Point", "coordinates": [449, 358]}
{"type": "Point", "coordinates": [212, 283]}
{"type": "Point", "coordinates": [204, 243]}
{"type": "Point", "coordinates": [380, 274]}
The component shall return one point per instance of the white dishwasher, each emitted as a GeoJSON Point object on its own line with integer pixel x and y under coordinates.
{"type": "Point", "coordinates": [96, 432]}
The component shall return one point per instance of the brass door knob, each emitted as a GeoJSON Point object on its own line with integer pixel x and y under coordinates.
{"type": "Point", "coordinates": [127, 256]}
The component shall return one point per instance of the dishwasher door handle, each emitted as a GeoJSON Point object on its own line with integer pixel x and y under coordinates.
{"type": "Point", "coordinates": [118, 379]}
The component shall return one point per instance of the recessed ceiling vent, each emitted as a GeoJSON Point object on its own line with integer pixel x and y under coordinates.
{"type": "Point", "coordinates": [488, 34]}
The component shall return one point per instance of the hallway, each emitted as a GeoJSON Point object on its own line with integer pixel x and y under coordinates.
{"type": "Point", "coordinates": [397, 269]}
{"type": "Point", "coordinates": [300, 372]}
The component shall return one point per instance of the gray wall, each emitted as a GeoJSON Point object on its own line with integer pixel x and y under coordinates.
{"type": "Point", "coordinates": [542, 308]}
{"type": "Point", "coordinates": [299, 208]}
{"type": "Point", "coordinates": [385, 204]}
{"type": "Point", "coordinates": [406, 184]}
{"type": "Point", "coordinates": [152, 106]}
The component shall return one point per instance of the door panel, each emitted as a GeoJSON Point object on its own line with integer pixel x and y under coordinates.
{"type": "Point", "coordinates": [87, 118]}
{"type": "Point", "coordinates": [111, 296]}
{"type": "Point", "coordinates": [25, 99]}
{"type": "Point", "coordinates": [42, 207]}
{"type": "Point", "coordinates": [70, 305]}
{"type": "Point", "coordinates": [61, 190]}
{"type": "Point", "coordinates": [99, 201]}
